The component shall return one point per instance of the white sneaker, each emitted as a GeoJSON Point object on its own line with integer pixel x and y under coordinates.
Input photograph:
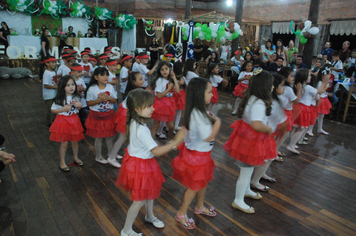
{"type": "Point", "coordinates": [114, 163]}
{"type": "Point", "coordinates": [155, 221]}
{"type": "Point", "coordinates": [132, 232]}
{"type": "Point", "coordinates": [101, 160]}
{"type": "Point", "coordinates": [119, 157]}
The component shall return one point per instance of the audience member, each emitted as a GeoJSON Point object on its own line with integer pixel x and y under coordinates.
{"type": "Point", "coordinates": [345, 51]}
{"type": "Point", "coordinates": [327, 50]}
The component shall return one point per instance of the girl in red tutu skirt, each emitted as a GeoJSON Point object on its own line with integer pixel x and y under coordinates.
{"type": "Point", "coordinates": [244, 77]}
{"type": "Point", "coordinates": [212, 74]}
{"type": "Point", "coordinates": [140, 173]}
{"type": "Point", "coordinates": [100, 98]}
{"type": "Point", "coordinates": [67, 127]}
{"type": "Point", "coordinates": [306, 117]}
{"type": "Point", "coordinates": [135, 80]}
{"type": "Point", "coordinates": [194, 166]}
{"type": "Point", "coordinates": [247, 143]}
{"type": "Point", "coordinates": [179, 98]}
{"type": "Point", "coordinates": [164, 85]}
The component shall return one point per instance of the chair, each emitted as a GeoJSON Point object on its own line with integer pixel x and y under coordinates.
{"type": "Point", "coordinates": [350, 101]}
{"type": "Point", "coordinates": [226, 70]}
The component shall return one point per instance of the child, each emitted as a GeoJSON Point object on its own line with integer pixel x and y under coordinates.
{"type": "Point", "coordinates": [102, 59]}
{"type": "Point", "coordinates": [336, 66]}
{"type": "Point", "coordinates": [351, 61]}
{"type": "Point", "coordinates": [64, 69]}
{"type": "Point", "coordinates": [140, 173]}
{"type": "Point", "coordinates": [244, 77]}
{"type": "Point", "coordinates": [169, 58]}
{"type": "Point", "coordinates": [66, 127]}
{"type": "Point", "coordinates": [93, 61]}
{"type": "Point", "coordinates": [88, 67]}
{"type": "Point", "coordinates": [212, 74]}
{"type": "Point", "coordinates": [112, 68]}
{"type": "Point", "coordinates": [143, 68]}
{"type": "Point", "coordinates": [100, 98]}
{"type": "Point", "coordinates": [189, 70]}
{"type": "Point", "coordinates": [164, 86]}
{"type": "Point", "coordinates": [49, 87]}
{"type": "Point", "coordinates": [126, 63]}
{"type": "Point", "coordinates": [194, 167]}
{"type": "Point", "coordinates": [247, 142]}
{"type": "Point", "coordinates": [76, 73]}
{"type": "Point", "coordinates": [306, 116]}
{"type": "Point", "coordinates": [179, 98]}
{"type": "Point", "coordinates": [136, 64]}
{"type": "Point", "coordinates": [135, 80]}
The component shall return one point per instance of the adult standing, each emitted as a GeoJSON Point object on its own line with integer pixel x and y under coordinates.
{"type": "Point", "coordinates": [154, 50]}
{"type": "Point", "coordinates": [198, 50]}
{"type": "Point", "coordinates": [44, 49]}
{"type": "Point", "coordinates": [4, 32]}
{"type": "Point", "coordinates": [345, 51]}
{"type": "Point", "coordinates": [291, 52]}
{"type": "Point", "coordinates": [282, 52]}
{"type": "Point", "coordinates": [103, 29]}
{"type": "Point", "coordinates": [327, 50]}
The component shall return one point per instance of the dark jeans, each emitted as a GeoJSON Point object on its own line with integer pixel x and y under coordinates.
{"type": "Point", "coordinates": [333, 100]}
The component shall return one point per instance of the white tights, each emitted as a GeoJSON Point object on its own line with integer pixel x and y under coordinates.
{"type": "Point", "coordinates": [117, 146]}
{"type": "Point", "coordinates": [98, 142]}
{"type": "Point", "coordinates": [133, 212]}
{"type": "Point", "coordinates": [243, 186]}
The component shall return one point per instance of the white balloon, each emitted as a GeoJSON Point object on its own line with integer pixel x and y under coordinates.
{"type": "Point", "coordinates": [78, 7]}
{"type": "Point", "coordinates": [80, 13]}
{"type": "Point", "coordinates": [240, 32]}
{"type": "Point", "coordinates": [211, 24]}
{"type": "Point", "coordinates": [201, 34]}
{"type": "Point", "coordinates": [228, 35]}
{"type": "Point", "coordinates": [313, 30]}
{"type": "Point", "coordinates": [214, 34]}
{"type": "Point", "coordinates": [236, 26]}
{"type": "Point", "coordinates": [83, 10]}
{"type": "Point", "coordinates": [198, 29]}
{"type": "Point", "coordinates": [50, 9]}
{"type": "Point", "coordinates": [222, 39]}
{"type": "Point", "coordinates": [54, 12]}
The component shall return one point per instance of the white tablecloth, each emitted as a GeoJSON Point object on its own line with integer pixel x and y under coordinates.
{"type": "Point", "coordinates": [97, 43]}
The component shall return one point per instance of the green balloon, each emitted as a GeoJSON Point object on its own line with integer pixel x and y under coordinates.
{"type": "Point", "coordinates": [235, 35]}
{"type": "Point", "coordinates": [185, 38]}
{"type": "Point", "coordinates": [149, 22]}
{"type": "Point", "coordinates": [197, 25]}
{"type": "Point", "coordinates": [303, 40]}
{"type": "Point", "coordinates": [208, 37]}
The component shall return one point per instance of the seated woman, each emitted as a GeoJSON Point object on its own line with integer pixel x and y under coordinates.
{"type": "Point", "coordinates": [103, 29]}
{"type": "Point", "coordinates": [70, 32]}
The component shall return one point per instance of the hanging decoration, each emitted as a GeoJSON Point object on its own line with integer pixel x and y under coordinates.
{"type": "Point", "coordinates": [148, 26]}
{"type": "Point", "coordinates": [179, 45]}
{"type": "Point", "coordinates": [58, 9]}
{"type": "Point", "coordinates": [305, 31]}
{"type": "Point", "coordinates": [190, 45]}
{"type": "Point", "coordinates": [220, 31]}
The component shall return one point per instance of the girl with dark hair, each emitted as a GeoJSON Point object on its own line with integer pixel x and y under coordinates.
{"type": "Point", "coordinates": [306, 116]}
{"type": "Point", "coordinates": [126, 63]}
{"type": "Point", "coordinates": [268, 51]}
{"type": "Point", "coordinates": [67, 127]}
{"type": "Point", "coordinates": [4, 32]}
{"type": "Point", "coordinates": [247, 142]}
{"type": "Point", "coordinates": [101, 97]}
{"type": "Point", "coordinates": [135, 80]}
{"type": "Point", "coordinates": [212, 74]}
{"type": "Point", "coordinates": [243, 80]}
{"type": "Point", "coordinates": [70, 32]}
{"type": "Point", "coordinates": [164, 85]}
{"type": "Point", "coordinates": [44, 49]}
{"type": "Point", "coordinates": [140, 173]}
{"type": "Point", "coordinates": [282, 52]}
{"type": "Point", "coordinates": [194, 167]}
{"type": "Point", "coordinates": [189, 72]}
{"type": "Point", "coordinates": [179, 98]}
{"type": "Point", "coordinates": [248, 56]}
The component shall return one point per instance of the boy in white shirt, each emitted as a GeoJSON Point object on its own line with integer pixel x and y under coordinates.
{"type": "Point", "coordinates": [336, 66]}
{"type": "Point", "coordinates": [88, 68]}
{"type": "Point", "coordinates": [143, 68]}
{"type": "Point", "coordinates": [49, 87]}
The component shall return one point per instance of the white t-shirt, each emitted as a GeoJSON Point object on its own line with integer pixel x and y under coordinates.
{"type": "Point", "coordinates": [244, 74]}
{"type": "Point", "coordinates": [324, 94]}
{"type": "Point", "coordinates": [80, 83]}
{"type": "Point", "coordinates": [141, 141]}
{"type": "Point", "coordinates": [337, 65]}
{"type": "Point", "coordinates": [70, 100]}
{"type": "Point", "coordinates": [215, 80]}
{"type": "Point", "coordinates": [224, 51]}
{"type": "Point", "coordinates": [124, 73]}
{"type": "Point", "coordinates": [190, 76]}
{"type": "Point", "coordinates": [88, 67]}
{"type": "Point", "coordinates": [161, 86]}
{"type": "Point", "coordinates": [287, 98]}
{"type": "Point", "coordinates": [135, 67]}
{"type": "Point", "coordinates": [143, 70]}
{"type": "Point", "coordinates": [308, 93]}
{"type": "Point", "coordinates": [200, 128]}
{"type": "Point", "coordinates": [236, 61]}
{"type": "Point", "coordinates": [277, 115]}
{"type": "Point", "coordinates": [124, 103]}
{"type": "Point", "coordinates": [112, 77]}
{"type": "Point", "coordinates": [93, 94]}
{"type": "Point", "coordinates": [63, 70]}
{"type": "Point", "coordinates": [255, 110]}
{"type": "Point", "coordinates": [49, 78]}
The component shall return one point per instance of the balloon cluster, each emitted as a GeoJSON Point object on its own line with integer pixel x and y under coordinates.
{"type": "Point", "coordinates": [220, 31]}
{"type": "Point", "coordinates": [78, 9]}
{"type": "Point", "coordinates": [305, 31]}
{"type": "Point", "coordinates": [126, 21]}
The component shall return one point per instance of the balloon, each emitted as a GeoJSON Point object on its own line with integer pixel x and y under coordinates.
{"type": "Point", "coordinates": [303, 40]}
{"type": "Point", "coordinates": [235, 35]}
{"type": "Point", "coordinates": [313, 30]}
{"type": "Point", "coordinates": [208, 30]}
{"type": "Point", "coordinates": [197, 25]}
{"type": "Point", "coordinates": [228, 35]}
{"type": "Point", "coordinates": [197, 29]}
{"type": "Point", "coordinates": [149, 22]}
{"type": "Point", "coordinates": [185, 38]}
{"type": "Point", "coordinates": [208, 37]}
{"type": "Point", "coordinates": [214, 34]}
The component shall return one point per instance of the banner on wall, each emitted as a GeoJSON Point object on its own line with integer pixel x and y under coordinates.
{"type": "Point", "coordinates": [51, 23]}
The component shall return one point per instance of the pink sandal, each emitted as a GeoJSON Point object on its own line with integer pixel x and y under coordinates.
{"type": "Point", "coordinates": [189, 223]}
{"type": "Point", "coordinates": [211, 213]}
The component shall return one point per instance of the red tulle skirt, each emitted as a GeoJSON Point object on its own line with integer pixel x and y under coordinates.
{"type": "Point", "coordinates": [179, 99]}
{"type": "Point", "coordinates": [66, 128]}
{"type": "Point", "coordinates": [165, 109]}
{"type": "Point", "coordinates": [247, 145]}
{"type": "Point", "coordinates": [100, 124]}
{"type": "Point", "coordinates": [141, 177]}
{"type": "Point", "coordinates": [314, 115]}
{"type": "Point", "coordinates": [239, 88]}
{"type": "Point", "coordinates": [306, 117]}
{"type": "Point", "coordinates": [290, 119]}
{"type": "Point", "coordinates": [271, 147]}
{"type": "Point", "coordinates": [192, 168]}
{"type": "Point", "coordinates": [324, 106]}
{"type": "Point", "coordinates": [214, 98]}
{"type": "Point", "coordinates": [120, 119]}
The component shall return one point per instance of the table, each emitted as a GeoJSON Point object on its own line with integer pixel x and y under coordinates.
{"type": "Point", "coordinates": [344, 87]}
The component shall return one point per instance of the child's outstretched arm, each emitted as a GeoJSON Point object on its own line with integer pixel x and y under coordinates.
{"type": "Point", "coordinates": [178, 139]}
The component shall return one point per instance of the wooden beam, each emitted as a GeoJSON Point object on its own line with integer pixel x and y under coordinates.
{"type": "Point", "coordinates": [238, 20]}
{"type": "Point", "coordinates": [188, 8]}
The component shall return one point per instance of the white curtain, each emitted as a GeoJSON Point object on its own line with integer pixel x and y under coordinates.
{"type": "Point", "coordinates": [18, 21]}
{"type": "Point", "coordinates": [343, 27]}
{"type": "Point", "coordinates": [128, 41]}
{"type": "Point", "coordinates": [282, 27]}
{"type": "Point", "coordinates": [79, 24]}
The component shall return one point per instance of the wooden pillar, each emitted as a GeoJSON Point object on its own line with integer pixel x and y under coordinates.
{"type": "Point", "coordinates": [238, 20]}
{"type": "Point", "coordinates": [309, 46]}
{"type": "Point", "coordinates": [188, 8]}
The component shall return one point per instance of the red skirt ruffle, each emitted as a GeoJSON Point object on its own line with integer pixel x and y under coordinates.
{"type": "Point", "coordinates": [66, 128]}
{"type": "Point", "coordinates": [290, 119]}
{"type": "Point", "coordinates": [164, 109]}
{"type": "Point", "coordinates": [247, 145]}
{"type": "Point", "coordinates": [324, 106]}
{"type": "Point", "coordinates": [214, 98]}
{"type": "Point", "coordinates": [192, 168]}
{"type": "Point", "coordinates": [100, 124]}
{"type": "Point", "coordinates": [314, 115]}
{"type": "Point", "coordinates": [271, 147]}
{"type": "Point", "coordinates": [306, 116]}
{"type": "Point", "coordinates": [179, 99]}
{"type": "Point", "coordinates": [239, 88]}
{"type": "Point", "coordinates": [120, 120]}
{"type": "Point", "coordinates": [141, 177]}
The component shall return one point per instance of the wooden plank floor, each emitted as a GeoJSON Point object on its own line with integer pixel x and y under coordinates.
{"type": "Point", "coordinates": [315, 192]}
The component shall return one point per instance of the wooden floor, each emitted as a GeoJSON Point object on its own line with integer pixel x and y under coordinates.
{"type": "Point", "coordinates": [315, 192]}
